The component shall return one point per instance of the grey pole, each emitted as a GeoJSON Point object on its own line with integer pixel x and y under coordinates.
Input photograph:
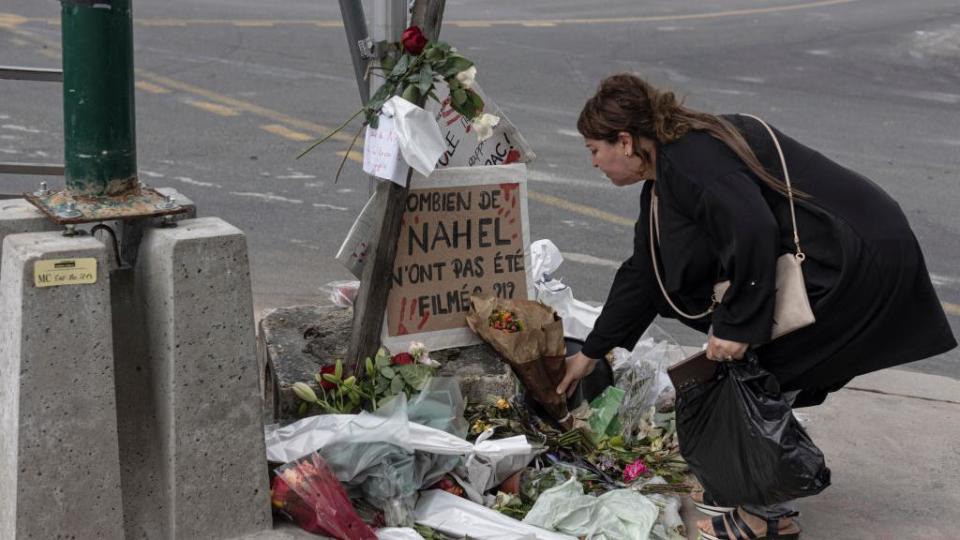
{"type": "Point", "coordinates": [389, 21]}
{"type": "Point", "coordinates": [355, 24]}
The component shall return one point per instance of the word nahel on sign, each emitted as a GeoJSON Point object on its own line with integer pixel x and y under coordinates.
{"type": "Point", "coordinates": [464, 232]}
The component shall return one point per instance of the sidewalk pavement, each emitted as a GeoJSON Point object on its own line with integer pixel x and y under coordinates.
{"type": "Point", "coordinates": [892, 442]}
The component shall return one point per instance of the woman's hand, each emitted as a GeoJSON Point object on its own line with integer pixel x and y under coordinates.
{"type": "Point", "coordinates": [578, 367]}
{"type": "Point", "coordinates": [721, 350]}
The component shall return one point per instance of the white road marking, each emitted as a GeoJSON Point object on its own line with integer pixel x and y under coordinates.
{"type": "Point", "coordinates": [583, 258]}
{"type": "Point", "coordinates": [266, 197]}
{"type": "Point", "coordinates": [820, 52]}
{"type": "Point", "coordinates": [191, 181]}
{"type": "Point", "coordinates": [569, 132]}
{"type": "Point", "coordinates": [344, 190]}
{"type": "Point", "coordinates": [296, 176]}
{"type": "Point", "coordinates": [330, 206]}
{"type": "Point", "coordinates": [151, 174]}
{"type": "Point", "coordinates": [754, 80]}
{"type": "Point", "coordinates": [8, 137]}
{"type": "Point", "coordinates": [14, 127]}
{"type": "Point", "coordinates": [941, 281]}
{"type": "Point", "coordinates": [8, 151]}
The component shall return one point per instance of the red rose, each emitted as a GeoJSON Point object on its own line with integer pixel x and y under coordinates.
{"type": "Point", "coordinates": [413, 40]}
{"type": "Point", "coordinates": [325, 384]}
{"type": "Point", "coordinates": [402, 359]}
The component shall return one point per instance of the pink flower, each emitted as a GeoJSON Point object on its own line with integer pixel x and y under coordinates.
{"type": "Point", "coordinates": [633, 470]}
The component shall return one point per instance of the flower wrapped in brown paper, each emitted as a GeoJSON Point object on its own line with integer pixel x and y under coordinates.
{"type": "Point", "coordinates": [536, 353]}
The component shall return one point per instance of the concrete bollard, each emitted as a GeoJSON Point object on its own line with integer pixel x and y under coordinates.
{"type": "Point", "coordinates": [59, 462]}
{"type": "Point", "coordinates": [18, 216]}
{"type": "Point", "coordinates": [194, 460]}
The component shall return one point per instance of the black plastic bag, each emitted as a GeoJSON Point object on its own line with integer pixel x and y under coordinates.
{"type": "Point", "coordinates": [743, 443]}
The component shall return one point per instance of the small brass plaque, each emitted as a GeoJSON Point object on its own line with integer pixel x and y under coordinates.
{"type": "Point", "coordinates": [54, 272]}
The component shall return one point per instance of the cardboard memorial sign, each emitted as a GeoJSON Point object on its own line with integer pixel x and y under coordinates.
{"type": "Point", "coordinates": [465, 231]}
{"type": "Point", "coordinates": [462, 150]}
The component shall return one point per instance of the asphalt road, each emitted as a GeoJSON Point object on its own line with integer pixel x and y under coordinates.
{"type": "Point", "coordinates": [229, 91]}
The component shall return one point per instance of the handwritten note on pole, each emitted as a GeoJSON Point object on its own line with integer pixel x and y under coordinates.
{"type": "Point", "coordinates": [381, 152]}
{"type": "Point", "coordinates": [454, 242]}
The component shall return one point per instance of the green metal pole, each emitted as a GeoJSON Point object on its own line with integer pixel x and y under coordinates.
{"type": "Point", "coordinates": [98, 107]}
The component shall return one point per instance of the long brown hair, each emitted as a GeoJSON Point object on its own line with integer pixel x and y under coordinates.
{"type": "Point", "coordinates": [625, 102]}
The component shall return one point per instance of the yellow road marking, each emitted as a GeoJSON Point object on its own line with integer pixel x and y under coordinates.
{"type": "Point", "coordinates": [241, 105]}
{"type": "Point", "coordinates": [951, 309]}
{"type": "Point", "coordinates": [214, 108]}
{"type": "Point", "coordinates": [470, 24]}
{"type": "Point", "coordinates": [353, 156]}
{"type": "Point", "coordinates": [13, 20]}
{"type": "Point", "coordinates": [150, 87]}
{"type": "Point", "coordinates": [264, 24]}
{"type": "Point", "coordinates": [10, 20]}
{"type": "Point", "coordinates": [581, 209]}
{"type": "Point", "coordinates": [50, 53]}
{"type": "Point", "coordinates": [287, 133]}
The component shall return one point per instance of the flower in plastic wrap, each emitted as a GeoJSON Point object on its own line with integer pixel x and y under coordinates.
{"type": "Point", "coordinates": [633, 471]}
{"type": "Point", "coordinates": [502, 404]}
{"type": "Point", "coordinates": [307, 491]}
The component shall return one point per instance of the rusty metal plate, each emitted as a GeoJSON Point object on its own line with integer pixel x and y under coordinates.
{"type": "Point", "coordinates": [64, 208]}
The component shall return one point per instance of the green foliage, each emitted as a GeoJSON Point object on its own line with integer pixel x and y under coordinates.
{"type": "Point", "coordinates": [380, 381]}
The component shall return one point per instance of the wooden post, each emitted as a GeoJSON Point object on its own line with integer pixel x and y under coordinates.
{"type": "Point", "coordinates": [371, 303]}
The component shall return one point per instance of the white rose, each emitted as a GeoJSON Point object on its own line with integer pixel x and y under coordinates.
{"type": "Point", "coordinates": [468, 76]}
{"type": "Point", "coordinates": [484, 125]}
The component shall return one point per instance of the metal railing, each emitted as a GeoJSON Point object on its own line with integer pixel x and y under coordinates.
{"type": "Point", "coordinates": [15, 73]}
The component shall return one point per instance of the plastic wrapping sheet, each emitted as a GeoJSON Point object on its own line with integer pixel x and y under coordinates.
{"type": "Point", "coordinates": [497, 459]}
{"type": "Point", "coordinates": [642, 374]}
{"type": "Point", "coordinates": [418, 134]}
{"type": "Point", "coordinates": [456, 516]}
{"type": "Point", "coordinates": [398, 533]}
{"type": "Point", "coordinates": [620, 514]}
{"type": "Point", "coordinates": [578, 317]}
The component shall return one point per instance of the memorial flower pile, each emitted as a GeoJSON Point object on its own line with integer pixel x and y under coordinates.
{"type": "Point", "coordinates": [412, 68]}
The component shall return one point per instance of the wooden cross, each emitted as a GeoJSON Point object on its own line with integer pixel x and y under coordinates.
{"type": "Point", "coordinates": [369, 308]}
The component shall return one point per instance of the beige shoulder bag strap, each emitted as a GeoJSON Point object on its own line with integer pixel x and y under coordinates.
{"type": "Point", "coordinates": [792, 310]}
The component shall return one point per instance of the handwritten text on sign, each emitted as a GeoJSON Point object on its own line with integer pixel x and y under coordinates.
{"type": "Point", "coordinates": [455, 242]}
{"type": "Point", "coordinates": [55, 272]}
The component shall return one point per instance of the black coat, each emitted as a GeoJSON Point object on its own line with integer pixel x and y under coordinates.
{"type": "Point", "coordinates": [865, 274]}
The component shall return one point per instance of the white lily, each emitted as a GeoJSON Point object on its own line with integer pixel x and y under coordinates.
{"type": "Point", "coordinates": [484, 125]}
{"type": "Point", "coordinates": [468, 77]}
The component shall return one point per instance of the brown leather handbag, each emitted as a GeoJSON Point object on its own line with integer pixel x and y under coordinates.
{"type": "Point", "coordinates": [792, 309]}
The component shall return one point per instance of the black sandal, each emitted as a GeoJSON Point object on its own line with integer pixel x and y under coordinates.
{"type": "Point", "coordinates": [706, 505]}
{"type": "Point", "coordinates": [742, 531]}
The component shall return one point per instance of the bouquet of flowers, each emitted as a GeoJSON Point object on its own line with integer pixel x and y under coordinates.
{"type": "Point", "coordinates": [308, 493]}
{"type": "Point", "coordinates": [528, 336]}
{"type": "Point", "coordinates": [385, 376]}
